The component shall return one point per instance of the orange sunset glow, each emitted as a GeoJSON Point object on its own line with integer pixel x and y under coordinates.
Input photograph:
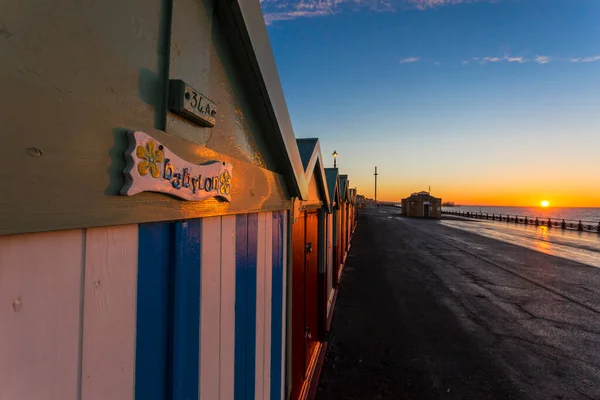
{"type": "Point", "coordinates": [567, 194]}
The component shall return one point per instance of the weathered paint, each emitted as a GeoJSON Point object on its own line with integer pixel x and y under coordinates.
{"type": "Point", "coordinates": [40, 318]}
{"type": "Point", "coordinates": [109, 313]}
{"type": "Point", "coordinates": [190, 60]}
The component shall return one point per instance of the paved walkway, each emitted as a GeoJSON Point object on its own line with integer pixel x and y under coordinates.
{"type": "Point", "coordinates": [426, 311]}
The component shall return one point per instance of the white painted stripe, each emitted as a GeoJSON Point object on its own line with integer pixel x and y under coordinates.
{"type": "Point", "coordinates": [41, 293]}
{"type": "Point", "coordinates": [227, 345]}
{"type": "Point", "coordinates": [109, 315]}
{"type": "Point", "coordinates": [268, 299]}
{"type": "Point", "coordinates": [260, 309]}
{"type": "Point", "coordinates": [210, 308]}
{"type": "Point", "coordinates": [284, 305]}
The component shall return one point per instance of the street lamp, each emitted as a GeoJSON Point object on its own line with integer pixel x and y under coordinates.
{"type": "Point", "coordinates": [335, 154]}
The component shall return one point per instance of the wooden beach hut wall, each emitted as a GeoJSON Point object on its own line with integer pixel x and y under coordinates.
{"type": "Point", "coordinates": [345, 198]}
{"type": "Point", "coordinates": [333, 239]}
{"type": "Point", "coordinates": [353, 207]}
{"type": "Point", "coordinates": [150, 166]}
{"type": "Point", "coordinates": [308, 308]}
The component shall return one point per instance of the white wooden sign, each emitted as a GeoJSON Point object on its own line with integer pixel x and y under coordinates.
{"type": "Point", "coordinates": [151, 167]}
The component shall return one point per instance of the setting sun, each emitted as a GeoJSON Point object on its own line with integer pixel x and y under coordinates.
{"type": "Point", "coordinates": [545, 203]}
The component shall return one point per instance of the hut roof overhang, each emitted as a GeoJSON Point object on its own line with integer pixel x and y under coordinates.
{"type": "Point", "coordinates": [312, 162]}
{"type": "Point", "coordinates": [353, 195]}
{"type": "Point", "coordinates": [333, 185]}
{"type": "Point", "coordinates": [344, 188]}
{"type": "Point", "coordinates": [247, 33]}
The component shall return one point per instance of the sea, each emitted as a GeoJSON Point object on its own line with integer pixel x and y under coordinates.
{"type": "Point", "coordinates": [589, 215]}
{"type": "Point", "coordinates": [583, 247]}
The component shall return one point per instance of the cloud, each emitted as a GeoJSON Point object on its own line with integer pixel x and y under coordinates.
{"type": "Point", "coordinates": [537, 59]}
{"type": "Point", "coordinates": [286, 16]}
{"type": "Point", "coordinates": [425, 4]}
{"type": "Point", "coordinates": [585, 59]}
{"type": "Point", "coordinates": [285, 10]}
{"type": "Point", "coordinates": [410, 60]}
{"type": "Point", "coordinates": [492, 59]}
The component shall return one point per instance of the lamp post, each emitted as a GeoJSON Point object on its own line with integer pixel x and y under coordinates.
{"type": "Point", "coordinates": [376, 184]}
{"type": "Point", "coordinates": [335, 154]}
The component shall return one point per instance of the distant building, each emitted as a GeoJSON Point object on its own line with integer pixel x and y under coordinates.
{"type": "Point", "coordinates": [422, 204]}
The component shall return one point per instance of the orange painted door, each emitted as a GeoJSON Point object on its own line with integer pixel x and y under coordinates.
{"type": "Point", "coordinates": [311, 285]}
{"type": "Point", "coordinates": [298, 305]}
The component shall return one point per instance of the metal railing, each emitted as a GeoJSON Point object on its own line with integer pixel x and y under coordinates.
{"type": "Point", "coordinates": [578, 225]}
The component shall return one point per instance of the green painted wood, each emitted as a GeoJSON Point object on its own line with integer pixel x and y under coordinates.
{"type": "Point", "coordinates": [75, 178]}
{"type": "Point", "coordinates": [76, 75]}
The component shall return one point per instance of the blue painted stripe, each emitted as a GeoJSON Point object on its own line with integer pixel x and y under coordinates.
{"type": "Point", "coordinates": [252, 261]}
{"type": "Point", "coordinates": [246, 247]}
{"type": "Point", "coordinates": [276, 306]}
{"type": "Point", "coordinates": [241, 288]}
{"type": "Point", "coordinates": [186, 309]}
{"type": "Point", "coordinates": [153, 312]}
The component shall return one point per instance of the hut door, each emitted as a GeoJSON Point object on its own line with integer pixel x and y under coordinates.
{"type": "Point", "coordinates": [426, 210]}
{"type": "Point", "coordinates": [336, 246]}
{"type": "Point", "coordinates": [298, 304]}
{"type": "Point", "coordinates": [311, 285]}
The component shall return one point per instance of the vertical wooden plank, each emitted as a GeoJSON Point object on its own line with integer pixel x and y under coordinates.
{"type": "Point", "coordinates": [268, 285]}
{"type": "Point", "coordinates": [277, 306]}
{"type": "Point", "coordinates": [109, 314]}
{"type": "Point", "coordinates": [329, 273]}
{"type": "Point", "coordinates": [153, 312]}
{"type": "Point", "coordinates": [245, 305]}
{"type": "Point", "coordinates": [40, 298]}
{"type": "Point", "coordinates": [210, 329]}
{"type": "Point", "coordinates": [251, 304]}
{"type": "Point", "coordinates": [228, 302]}
{"type": "Point", "coordinates": [260, 308]}
{"type": "Point", "coordinates": [186, 310]}
{"type": "Point", "coordinates": [241, 309]}
{"type": "Point", "coordinates": [284, 245]}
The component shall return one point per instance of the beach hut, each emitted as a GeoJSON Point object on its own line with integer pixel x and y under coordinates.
{"type": "Point", "coordinates": [309, 271]}
{"type": "Point", "coordinates": [353, 207]}
{"type": "Point", "coordinates": [150, 170]}
{"type": "Point", "coordinates": [344, 194]}
{"type": "Point", "coordinates": [422, 204]}
{"type": "Point", "coordinates": [334, 237]}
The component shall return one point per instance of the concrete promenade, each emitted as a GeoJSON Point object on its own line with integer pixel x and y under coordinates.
{"type": "Point", "coordinates": [426, 311]}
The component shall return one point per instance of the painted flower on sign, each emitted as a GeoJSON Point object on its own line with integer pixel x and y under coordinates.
{"type": "Point", "coordinates": [225, 186]}
{"type": "Point", "coordinates": [151, 157]}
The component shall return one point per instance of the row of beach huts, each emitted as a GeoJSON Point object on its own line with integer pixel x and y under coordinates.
{"type": "Point", "coordinates": [163, 234]}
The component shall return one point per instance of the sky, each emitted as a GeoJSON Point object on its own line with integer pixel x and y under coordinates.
{"type": "Point", "coordinates": [486, 102]}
